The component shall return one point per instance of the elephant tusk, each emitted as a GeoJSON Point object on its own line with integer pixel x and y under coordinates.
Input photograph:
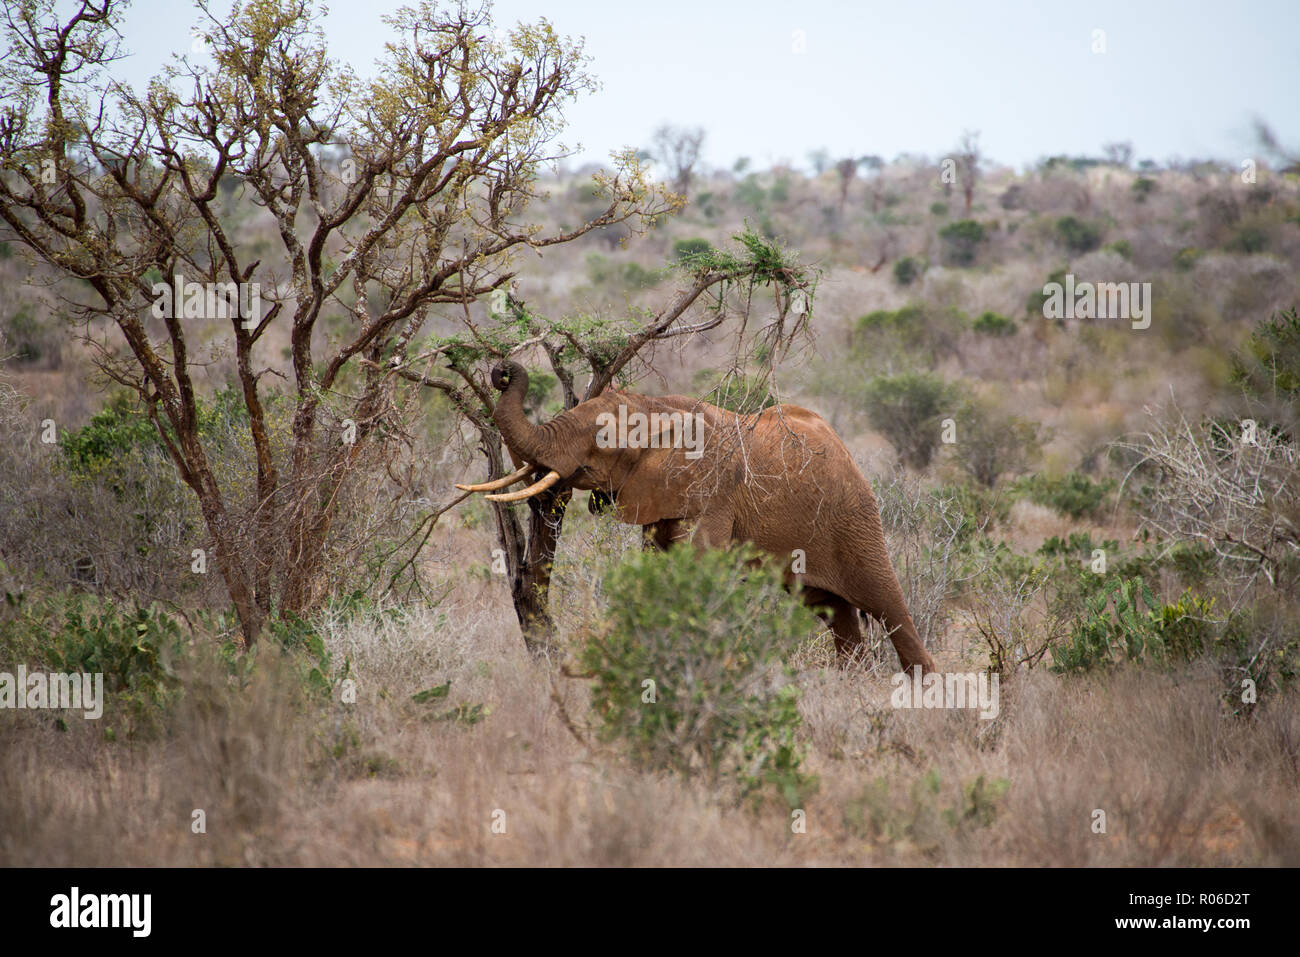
{"type": "Point", "coordinates": [495, 484]}
{"type": "Point", "coordinates": [551, 478]}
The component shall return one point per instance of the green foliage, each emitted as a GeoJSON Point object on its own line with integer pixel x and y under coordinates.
{"type": "Point", "coordinates": [687, 669]}
{"type": "Point", "coordinates": [603, 271]}
{"type": "Point", "coordinates": [923, 819]}
{"type": "Point", "coordinates": [432, 694]}
{"type": "Point", "coordinates": [1259, 644]}
{"type": "Point", "coordinates": [1073, 494]}
{"type": "Point", "coordinates": [1248, 239]}
{"type": "Point", "coordinates": [1268, 365]}
{"type": "Point", "coordinates": [115, 431]}
{"type": "Point", "coordinates": [939, 209]}
{"type": "Point", "coordinates": [1143, 187]}
{"type": "Point", "coordinates": [961, 241]}
{"type": "Point", "coordinates": [1124, 622]}
{"type": "Point", "coordinates": [993, 324]}
{"type": "Point", "coordinates": [314, 663]}
{"type": "Point", "coordinates": [540, 385]}
{"type": "Point", "coordinates": [749, 192]}
{"type": "Point", "coordinates": [920, 330]}
{"type": "Point", "coordinates": [1185, 259]}
{"type": "Point", "coordinates": [1121, 247]}
{"type": "Point", "coordinates": [28, 339]}
{"type": "Point", "coordinates": [754, 255]}
{"type": "Point", "coordinates": [906, 271]}
{"type": "Point", "coordinates": [908, 410]}
{"type": "Point", "coordinates": [1037, 298]}
{"type": "Point", "coordinates": [687, 249]}
{"type": "Point", "coordinates": [1077, 235]}
{"type": "Point", "coordinates": [136, 648]}
{"type": "Point", "coordinates": [121, 429]}
{"type": "Point", "coordinates": [1078, 545]}
{"type": "Point", "coordinates": [466, 714]}
{"type": "Point", "coordinates": [991, 442]}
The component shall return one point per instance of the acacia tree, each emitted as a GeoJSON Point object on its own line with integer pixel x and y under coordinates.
{"type": "Point", "coordinates": [119, 189]}
{"type": "Point", "coordinates": [717, 286]}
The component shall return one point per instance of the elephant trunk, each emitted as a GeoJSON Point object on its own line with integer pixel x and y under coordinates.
{"type": "Point", "coordinates": [520, 435]}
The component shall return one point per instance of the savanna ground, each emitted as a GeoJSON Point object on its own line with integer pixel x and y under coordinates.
{"type": "Point", "coordinates": [1098, 533]}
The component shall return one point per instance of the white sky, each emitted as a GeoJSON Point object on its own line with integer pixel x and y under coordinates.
{"type": "Point", "coordinates": [1177, 78]}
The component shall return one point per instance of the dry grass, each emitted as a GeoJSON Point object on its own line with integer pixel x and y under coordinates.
{"type": "Point", "coordinates": [380, 782]}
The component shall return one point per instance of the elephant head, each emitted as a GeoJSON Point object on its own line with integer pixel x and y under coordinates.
{"type": "Point", "coordinates": [649, 480]}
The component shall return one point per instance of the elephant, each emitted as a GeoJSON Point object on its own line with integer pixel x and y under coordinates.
{"type": "Point", "coordinates": [780, 479]}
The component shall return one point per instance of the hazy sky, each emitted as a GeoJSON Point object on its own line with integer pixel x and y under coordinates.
{"type": "Point", "coordinates": [1176, 78]}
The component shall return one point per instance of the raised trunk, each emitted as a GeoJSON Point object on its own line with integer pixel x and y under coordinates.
{"type": "Point", "coordinates": [517, 432]}
{"type": "Point", "coordinates": [534, 557]}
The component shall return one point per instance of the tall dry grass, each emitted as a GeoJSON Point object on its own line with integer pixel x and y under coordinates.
{"type": "Point", "coordinates": [383, 781]}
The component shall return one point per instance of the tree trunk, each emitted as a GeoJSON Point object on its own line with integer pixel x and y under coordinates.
{"type": "Point", "coordinates": [530, 587]}
{"type": "Point", "coordinates": [229, 564]}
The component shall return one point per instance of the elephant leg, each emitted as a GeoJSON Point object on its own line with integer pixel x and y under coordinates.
{"type": "Point", "coordinates": [663, 534]}
{"type": "Point", "coordinates": [847, 631]}
{"type": "Point", "coordinates": [886, 604]}
{"type": "Point", "coordinates": [842, 619]}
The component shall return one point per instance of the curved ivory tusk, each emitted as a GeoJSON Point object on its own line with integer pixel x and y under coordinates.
{"type": "Point", "coordinates": [495, 484]}
{"type": "Point", "coordinates": [551, 478]}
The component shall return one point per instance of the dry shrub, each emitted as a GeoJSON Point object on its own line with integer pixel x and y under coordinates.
{"type": "Point", "coordinates": [385, 781]}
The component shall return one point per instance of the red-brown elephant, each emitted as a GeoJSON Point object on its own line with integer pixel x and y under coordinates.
{"type": "Point", "coordinates": [781, 479]}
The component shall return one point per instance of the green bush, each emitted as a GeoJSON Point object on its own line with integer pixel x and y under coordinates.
{"type": "Point", "coordinates": [1077, 235]}
{"type": "Point", "coordinates": [1259, 643]}
{"type": "Point", "coordinates": [112, 433]}
{"type": "Point", "coordinates": [1124, 622]}
{"type": "Point", "coordinates": [1143, 187]}
{"type": "Point", "coordinates": [908, 409]}
{"type": "Point", "coordinates": [961, 241]}
{"type": "Point", "coordinates": [750, 192]}
{"type": "Point", "coordinates": [992, 324]}
{"type": "Point", "coordinates": [1185, 259]}
{"type": "Point", "coordinates": [687, 669]}
{"type": "Point", "coordinates": [906, 271]}
{"type": "Point", "coordinates": [1267, 366]}
{"type": "Point", "coordinates": [925, 331]}
{"type": "Point", "coordinates": [120, 429]}
{"type": "Point", "coordinates": [687, 249]}
{"type": "Point", "coordinates": [991, 442]}
{"type": "Point", "coordinates": [602, 270]}
{"type": "Point", "coordinates": [1034, 304]}
{"type": "Point", "coordinates": [29, 340]}
{"type": "Point", "coordinates": [1248, 239]}
{"type": "Point", "coordinates": [136, 649]}
{"type": "Point", "coordinates": [939, 209]}
{"type": "Point", "coordinates": [922, 818]}
{"type": "Point", "coordinates": [1121, 247]}
{"type": "Point", "coordinates": [1074, 494]}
